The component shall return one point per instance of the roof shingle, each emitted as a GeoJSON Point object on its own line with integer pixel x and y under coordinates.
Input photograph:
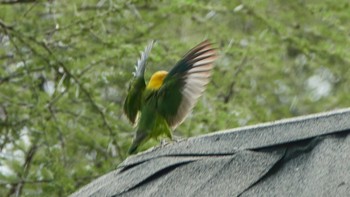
{"type": "Point", "coordinates": [304, 156]}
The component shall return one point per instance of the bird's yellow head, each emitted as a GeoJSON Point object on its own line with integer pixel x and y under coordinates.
{"type": "Point", "coordinates": [156, 80]}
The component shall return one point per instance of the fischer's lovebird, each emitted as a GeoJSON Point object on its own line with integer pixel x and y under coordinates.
{"type": "Point", "coordinates": [165, 101]}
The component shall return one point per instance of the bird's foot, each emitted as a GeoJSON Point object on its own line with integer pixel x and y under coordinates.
{"type": "Point", "coordinates": [177, 139]}
{"type": "Point", "coordinates": [174, 139]}
{"type": "Point", "coordinates": [163, 142]}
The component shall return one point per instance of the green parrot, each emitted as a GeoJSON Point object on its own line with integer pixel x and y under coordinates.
{"type": "Point", "coordinates": [167, 99]}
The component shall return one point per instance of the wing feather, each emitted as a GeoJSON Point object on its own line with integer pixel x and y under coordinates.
{"type": "Point", "coordinates": [133, 101]}
{"type": "Point", "coordinates": [185, 83]}
{"type": "Point", "coordinates": [141, 62]}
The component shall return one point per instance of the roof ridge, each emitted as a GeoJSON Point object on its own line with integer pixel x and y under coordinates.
{"type": "Point", "coordinates": [284, 130]}
{"type": "Point", "coordinates": [281, 121]}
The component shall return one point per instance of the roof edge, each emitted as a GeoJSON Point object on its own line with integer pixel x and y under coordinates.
{"type": "Point", "coordinates": [280, 122]}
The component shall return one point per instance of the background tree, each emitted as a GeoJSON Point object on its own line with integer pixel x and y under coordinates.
{"type": "Point", "coordinates": [65, 67]}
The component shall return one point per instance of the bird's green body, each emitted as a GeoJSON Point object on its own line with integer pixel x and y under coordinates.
{"type": "Point", "coordinates": [168, 97]}
{"type": "Point", "coordinates": [151, 124]}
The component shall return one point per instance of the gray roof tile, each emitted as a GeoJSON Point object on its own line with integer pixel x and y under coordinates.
{"type": "Point", "coordinates": [304, 156]}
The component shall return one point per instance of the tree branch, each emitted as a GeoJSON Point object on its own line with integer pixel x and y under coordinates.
{"type": "Point", "coordinates": [20, 37]}
{"type": "Point", "coordinates": [17, 187]}
{"type": "Point", "coordinates": [11, 2]}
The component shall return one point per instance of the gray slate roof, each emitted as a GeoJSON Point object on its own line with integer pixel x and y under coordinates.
{"type": "Point", "coordinates": [303, 156]}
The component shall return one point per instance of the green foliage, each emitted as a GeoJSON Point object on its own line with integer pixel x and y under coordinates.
{"type": "Point", "coordinates": [65, 68]}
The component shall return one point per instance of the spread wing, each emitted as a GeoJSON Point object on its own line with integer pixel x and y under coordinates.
{"type": "Point", "coordinates": [132, 104]}
{"type": "Point", "coordinates": [185, 83]}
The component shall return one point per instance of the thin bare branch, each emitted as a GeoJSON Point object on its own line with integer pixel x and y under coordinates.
{"type": "Point", "coordinates": [11, 2]}
{"type": "Point", "coordinates": [16, 189]}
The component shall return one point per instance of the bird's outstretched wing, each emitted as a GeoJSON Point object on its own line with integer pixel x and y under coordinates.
{"type": "Point", "coordinates": [132, 104]}
{"type": "Point", "coordinates": [185, 83]}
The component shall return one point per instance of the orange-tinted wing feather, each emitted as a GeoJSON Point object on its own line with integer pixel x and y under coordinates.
{"type": "Point", "coordinates": [185, 83]}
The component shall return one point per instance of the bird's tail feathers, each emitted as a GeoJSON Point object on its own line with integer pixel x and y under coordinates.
{"type": "Point", "coordinates": [139, 139]}
{"type": "Point", "coordinates": [132, 149]}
